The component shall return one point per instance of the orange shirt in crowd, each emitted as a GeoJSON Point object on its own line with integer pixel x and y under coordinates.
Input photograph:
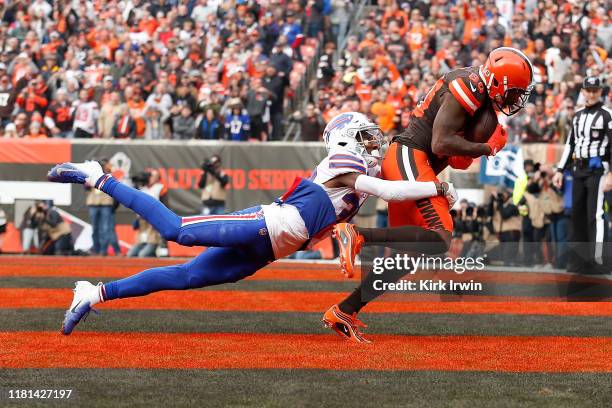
{"type": "Point", "coordinates": [417, 37]}
{"type": "Point", "coordinates": [397, 15]}
{"type": "Point", "coordinates": [32, 101]}
{"type": "Point", "coordinates": [383, 60]}
{"type": "Point", "coordinates": [149, 25]}
{"type": "Point", "coordinates": [366, 44]}
{"type": "Point", "coordinates": [103, 43]}
{"type": "Point", "coordinates": [397, 101]}
{"type": "Point", "coordinates": [136, 110]}
{"type": "Point", "coordinates": [471, 22]}
{"type": "Point", "coordinates": [363, 91]}
{"type": "Point", "coordinates": [384, 112]}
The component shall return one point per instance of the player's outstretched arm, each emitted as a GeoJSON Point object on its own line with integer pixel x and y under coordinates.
{"type": "Point", "coordinates": [449, 121]}
{"type": "Point", "coordinates": [396, 190]}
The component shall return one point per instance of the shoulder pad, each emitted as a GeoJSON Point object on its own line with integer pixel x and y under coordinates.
{"type": "Point", "coordinates": [469, 93]}
{"type": "Point", "coordinates": [347, 161]}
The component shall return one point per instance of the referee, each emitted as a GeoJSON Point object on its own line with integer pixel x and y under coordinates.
{"type": "Point", "coordinates": [588, 154]}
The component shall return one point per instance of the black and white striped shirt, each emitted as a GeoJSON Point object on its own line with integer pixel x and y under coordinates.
{"type": "Point", "coordinates": [590, 136]}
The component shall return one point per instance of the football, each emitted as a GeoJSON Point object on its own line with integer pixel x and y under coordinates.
{"type": "Point", "coordinates": [481, 126]}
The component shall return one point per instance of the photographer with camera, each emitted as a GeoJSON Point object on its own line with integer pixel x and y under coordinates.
{"type": "Point", "coordinates": [212, 183]}
{"type": "Point", "coordinates": [469, 222]}
{"type": "Point", "coordinates": [535, 222]}
{"type": "Point", "coordinates": [149, 240]}
{"type": "Point", "coordinates": [57, 239]}
{"type": "Point", "coordinates": [507, 223]}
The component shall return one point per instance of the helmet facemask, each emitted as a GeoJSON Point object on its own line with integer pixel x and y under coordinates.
{"type": "Point", "coordinates": [370, 142]}
{"type": "Point", "coordinates": [514, 100]}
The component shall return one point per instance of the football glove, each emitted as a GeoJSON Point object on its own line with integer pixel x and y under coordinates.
{"type": "Point", "coordinates": [498, 140]}
{"type": "Point", "coordinates": [448, 191]}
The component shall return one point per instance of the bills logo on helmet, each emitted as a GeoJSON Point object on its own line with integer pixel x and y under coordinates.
{"type": "Point", "coordinates": [338, 124]}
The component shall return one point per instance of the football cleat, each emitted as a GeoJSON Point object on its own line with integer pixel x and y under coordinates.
{"type": "Point", "coordinates": [79, 173]}
{"type": "Point", "coordinates": [345, 325]}
{"type": "Point", "coordinates": [349, 243]}
{"type": "Point", "coordinates": [81, 305]}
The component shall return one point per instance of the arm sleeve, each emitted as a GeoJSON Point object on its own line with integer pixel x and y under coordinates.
{"type": "Point", "coordinates": [202, 182]}
{"type": "Point", "coordinates": [395, 190]}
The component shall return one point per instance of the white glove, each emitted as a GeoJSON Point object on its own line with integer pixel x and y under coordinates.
{"type": "Point", "coordinates": [451, 194]}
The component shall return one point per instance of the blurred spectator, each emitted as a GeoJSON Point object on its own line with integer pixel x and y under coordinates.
{"type": "Point", "coordinates": [8, 95]}
{"type": "Point", "coordinates": [563, 120]}
{"type": "Point", "coordinates": [10, 131]}
{"type": "Point", "coordinates": [154, 125]}
{"type": "Point", "coordinates": [21, 124]}
{"type": "Point", "coordinates": [258, 100]}
{"type": "Point", "coordinates": [383, 111]}
{"type": "Point", "coordinates": [210, 128]}
{"type": "Point", "coordinates": [534, 224]}
{"type": "Point", "coordinates": [212, 183]}
{"type": "Point", "coordinates": [160, 101]}
{"type": "Point", "coordinates": [85, 116]}
{"type": "Point", "coordinates": [311, 124]}
{"type": "Point", "coordinates": [469, 221]}
{"type": "Point", "coordinates": [109, 112]}
{"type": "Point", "coordinates": [237, 123]}
{"type": "Point", "coordinates": [148, 239]}
{"type": "Point", "coordinates": [35, 131]}
{"type": "Point", "coordinates": [58, 118]}
{"type": "Point", "coordinates": [183, 125]}
{"type": "Point", "coordinates": [341, 10]}
{"type": "Point", "coordinates": [136, 104]}
{"type": "Point", "coordinates": [57, 239]}
{"type": "Point", "coordinates": [103, 94]}
{"type": "Point", "coordinates": [506, 224]}
{"type": "Point", "coordinates": [276, 82]}
{"type": "Point", "coordinates": [100, 206]}
{"type": "Point", "coordinates": [124, 126]}
{"type": "Point", "coordinates": [29, 230]}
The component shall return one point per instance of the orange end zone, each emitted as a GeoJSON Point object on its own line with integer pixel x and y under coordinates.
{"type": "Point", "coordinates": [244, 351]}
{"type": "Point", "coordinates": [314, 302]}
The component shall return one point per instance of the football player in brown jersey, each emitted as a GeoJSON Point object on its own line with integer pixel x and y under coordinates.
{"type": "Point", "coordinates": [434, 139]}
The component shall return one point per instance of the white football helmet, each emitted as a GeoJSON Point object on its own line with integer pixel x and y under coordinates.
{"type": "Point", "coordinates": [352, 131]}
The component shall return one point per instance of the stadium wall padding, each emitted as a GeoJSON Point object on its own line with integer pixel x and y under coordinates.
{"type": "Point", "coordinates": [259, 172]}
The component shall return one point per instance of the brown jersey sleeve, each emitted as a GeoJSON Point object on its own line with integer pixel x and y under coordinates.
{"type": "Point", "coordinates": [469, 93]}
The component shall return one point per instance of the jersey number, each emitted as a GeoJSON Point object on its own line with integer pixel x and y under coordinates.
{"type": "Point", "coordinates": [352, 206]}
{"type": "Point", "coordinates": [422, 106]}
{"type": "Point", "coordinates": [235, 126]}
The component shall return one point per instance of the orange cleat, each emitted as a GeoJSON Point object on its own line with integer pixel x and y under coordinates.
{"type": "Point", "coordinates": [349, 243]}
{"type": "Point", "coordinates": [345, 325]}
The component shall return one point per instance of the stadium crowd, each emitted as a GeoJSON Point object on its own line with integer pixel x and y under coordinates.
{"type": "Point", "coordinates": [208, 69]}
{"type": "Point", "coordinates": [405, 46]}
{"type": "Point", "coordinates": [202, 69]}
